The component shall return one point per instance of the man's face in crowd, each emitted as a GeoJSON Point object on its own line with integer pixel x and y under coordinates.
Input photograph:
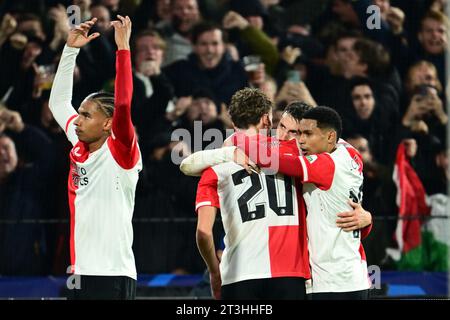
{"type": "Point", "coordinates": [148, 48]}
{"type": "Point", "coordinates": [362, 145]}
{"type": "Point", "coordinates": [423, 74]}
{"type": "Point", "coordinates": [210, 48]}
{"type": "Point", "coordinates": [8, 157]}
{"type": "Point", "coordinates": [185, 14]}
{"type": "Point", "coordinates": [363, 101]}
{"type": "Point", "coordinates": [33, 27]}
{"type": "Point", "coordinates": [344, 51]}
{"type": "Point", "coordinates": [433, 36]}
{"type": "Point", "coordinates": [315, 140]}
{"type": "Point", "coordinates": [91, 122]}
{"type": "Point", "coordinates": [103, 18]}
{"type": "Point", "coordinates": [207, 110]}
{"type": "Point", "coordinates": [288, 128]}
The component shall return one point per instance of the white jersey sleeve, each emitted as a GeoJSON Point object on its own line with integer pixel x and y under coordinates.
{"type": "Point", "coordinates": [61, 94]}
{"type": "Point", "coordinates": [199, 161]}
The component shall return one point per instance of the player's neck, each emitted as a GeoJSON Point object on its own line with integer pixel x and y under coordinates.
{"type": "Point", "coordinates": [332, 148]}
{"type": "Point", "coordinates": [94, 146]}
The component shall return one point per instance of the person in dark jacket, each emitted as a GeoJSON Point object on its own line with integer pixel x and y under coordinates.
{"type": "Point", "coordinates": [25, 164]}
{"type": "Point", "coordinates": [209, 66]}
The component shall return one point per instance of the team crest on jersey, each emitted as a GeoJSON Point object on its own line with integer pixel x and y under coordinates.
{"type": "Point", "coordinates": [311, 158]}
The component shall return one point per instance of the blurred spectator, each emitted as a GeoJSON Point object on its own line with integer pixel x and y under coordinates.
{"type": "Point", "coordinates": [394, 16]}
{"type": "Point", "coordinates": [170, 195]}
{"type": "Point", "coordinates": [439, 174]}
{"type": "Point", "coordinates": [103, 18]}
{"type": "Point", "coordinates": [185, 14]}
{"type": "Point", "coordinates": [433, 43]}
{"type": "Point", "coordinates": [251, 39]}
{"type": "Point", "coordinates": [421, 73]}
{"type": "Point", "coordinates": [7, 26]}
{"type": "Point", "coordinates": [31, 24]}
{"type": "Point", "coordinates": [205, 110]}
{"type": "Point", "coordinates": [209, 66]}
{"type": "Point", "coordinates": [373, 61]}
{"type": "Point", "coordinates": [18, 77]}
{"type": "Point", "coordinates": [112, 5]}
{"type": "Point", "coordinates": [152, 14]}
{"type": "Point", "coordinates": [153, 93]}
{"type": "Point", "coordinates": [26, 160]}
{"type": "Point", "coordinates": [58, 16]}
{"type": "Point", "coordinates": [372, 120]}
{"type": "Point", "coordinates": [425, 113]}
{"type": "Point", "coordinates": [84, 6]}
{"type": "Point", "coordinates": [294, 91]}
{"type": "Point", "coordinates": [379, 198]}
{"type": "Point", "coordinates": [269, 87]}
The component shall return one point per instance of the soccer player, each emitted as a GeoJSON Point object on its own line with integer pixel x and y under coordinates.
{"type": "Point", "coordinates": [287, 129]}
{"type": "Point", "coordinates": [265, 254]}
{"type": "Point", "coordinates": [331, 174]}
{"type": "Point", "coordinates": [104, 165]}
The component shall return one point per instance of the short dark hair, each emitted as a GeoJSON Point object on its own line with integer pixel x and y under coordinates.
{"type": "Point", "coordinates": [247, 107]}
{"type": "Point", "coordinates": [345, 34]}
{"type": "Point", "coordinates": [374, 55]}
{"type": "Point", "coordinates": [327, 118]}
{"type": "Point", "coordinates": [297, 109]}
{"type": "Point", "coordinates": [360, 81]}
{"type": "Point", "coordinates": [104, 101]}
{"type": "Point", "coordinates": [205, 26]}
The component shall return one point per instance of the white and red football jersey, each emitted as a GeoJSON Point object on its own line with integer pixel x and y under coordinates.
{"type": "Point", "coordinates": [102, 183]}
{"type": "Point", "coordinates": [337, 258]}
{"type": "Point", "coordinates": [264, 223]}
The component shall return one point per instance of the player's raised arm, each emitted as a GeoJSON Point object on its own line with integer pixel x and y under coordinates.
{"type": "Point", "coordinates": [60, 102]}
{"type": "Point", "coordinates": [123, 135]}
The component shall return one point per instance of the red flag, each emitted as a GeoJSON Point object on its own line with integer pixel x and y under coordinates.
{"type": "Point", "coordinates": [410, 200]}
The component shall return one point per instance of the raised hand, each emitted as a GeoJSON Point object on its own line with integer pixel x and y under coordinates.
{"type": "Point", "coordinates": [234, 20]}
{"type": "Point", "coordinates": [78, 37]}
{"type": "Point", "coordinates": [122, 32]}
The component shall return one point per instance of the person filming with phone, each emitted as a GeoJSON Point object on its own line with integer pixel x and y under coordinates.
{"type": "Point", "coordinates": [425, 113]}
{"type": "Point", "coordinates": [294, 89]}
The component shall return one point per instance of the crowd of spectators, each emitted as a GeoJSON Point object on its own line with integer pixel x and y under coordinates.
{"type": "Point", "coordinates": [189, 57]}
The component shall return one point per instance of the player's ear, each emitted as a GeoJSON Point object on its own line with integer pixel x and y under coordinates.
{"type": "Point", "coordinates": [107, 125]}
{"type": "Point", "coordinates": [331, 137]}
{"type": "Point", "coordinates": [267, 122]}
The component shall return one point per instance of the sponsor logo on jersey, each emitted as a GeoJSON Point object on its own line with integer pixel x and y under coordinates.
{"type": "Point", "coordinates": [79, 176]}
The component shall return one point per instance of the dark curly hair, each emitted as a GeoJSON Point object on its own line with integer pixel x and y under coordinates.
{"type": "Point", "coordinates": [248, 106]}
